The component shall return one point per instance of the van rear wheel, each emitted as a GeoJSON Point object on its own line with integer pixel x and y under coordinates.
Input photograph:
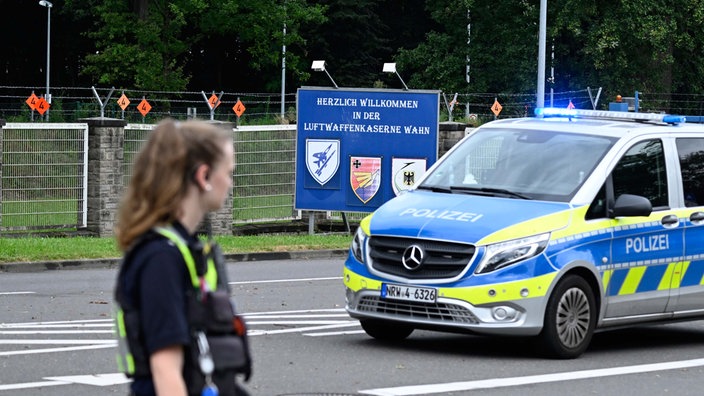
{"type": "Point", "coordinates": [570, 318]}
{"type": "Point", "coordinates": [385, 330]}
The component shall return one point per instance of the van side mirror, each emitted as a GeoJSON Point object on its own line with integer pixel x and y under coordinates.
{"type": "Point", "coordinates": [628, 205]}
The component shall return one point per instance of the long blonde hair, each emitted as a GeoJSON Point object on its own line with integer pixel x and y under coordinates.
{"type": "Point", "coordinates": [162, 172]}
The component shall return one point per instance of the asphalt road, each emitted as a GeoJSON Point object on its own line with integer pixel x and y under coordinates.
{"type": "Point", "coordinates": [56, 339]}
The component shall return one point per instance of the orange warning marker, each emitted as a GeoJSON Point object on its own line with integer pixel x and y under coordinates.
{"type": "Point", "coordinates": [32, 101]}
{"type": "Point", "coordinates": [239, 108]}
{"type": "Point", "coordinates": [214, 101]}
{"type": "Point", "coordinates": [42, 106]}
{"type": "Point", "coordinates": [144, 107]}
{"type": "Point", "coordinates": [123, 102]}
{"type": "Point", "coordinates": [496, 108]}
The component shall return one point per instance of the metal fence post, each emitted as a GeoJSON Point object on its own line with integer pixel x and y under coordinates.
{"type": "Point", "coordinates": [2, 124]}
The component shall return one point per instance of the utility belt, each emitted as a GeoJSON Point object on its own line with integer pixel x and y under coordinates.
{"type": "Point", "coordinates": [219, 348]}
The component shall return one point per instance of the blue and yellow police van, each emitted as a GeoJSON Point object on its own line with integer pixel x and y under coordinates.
{"type": "Point", "coordinates": [551, 227]}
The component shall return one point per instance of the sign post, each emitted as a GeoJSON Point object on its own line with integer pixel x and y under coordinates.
{"type": "Point", "coordinates": [123, 102]}
{"type": "Point", "coordinates": [32, 103]}
{"type": "Point", "coordinates": [239, 109]}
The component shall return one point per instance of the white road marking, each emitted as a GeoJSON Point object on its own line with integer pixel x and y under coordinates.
{"type": "Point", "coordinates": [54, 326]}
{"type": "Point", "coordinates": [296, 322]}
{"type": "Point", "coordinates": [334, 333]}
{"type": "Point", "coordinates": [286, 280]}
{"type": "Point", "coordinates": [95, 380]}
{"type": "Point", "coordinates": [17, 332]}
{"type": "Point", "coordinates": [56, 342]}
{"type": "Point", "coordinates": [17, 292]}
{"type": "Point", "coordinates": [254, 332]}
{"type": "Point", "coordinates": [248, 314]}
{"type": "Point", "coordinates": [321, 319]}
{"type": "Point", "coordinates": [255, 317]}
{"type": "Point", "coordinates": [531, 379]}
{"type": "Point", "coordinates": [56, 322]}
{"type": "Point", "coordinates": [64, 349]}
{"type": "Point", "coordinates": [29, 385]}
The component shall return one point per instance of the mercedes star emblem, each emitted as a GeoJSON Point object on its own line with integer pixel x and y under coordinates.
{"type": "Point", "coordinates": [413, 257]}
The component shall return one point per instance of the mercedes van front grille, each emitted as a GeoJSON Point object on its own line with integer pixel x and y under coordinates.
{"type": "Point", "coordinates": [440, 260]}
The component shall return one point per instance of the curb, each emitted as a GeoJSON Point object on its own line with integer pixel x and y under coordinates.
{"type": "Point", "coordinates": [112, 263]}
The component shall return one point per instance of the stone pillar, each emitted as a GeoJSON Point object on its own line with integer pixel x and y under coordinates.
{"type": "Point", "coordinates": [450, 134]}
{"type": "Point", "coordinates": [2, 124]}
{"type": "Point", "coordinates": [106, 138]}
{"type": "Point", "coordinates": [220, 222]}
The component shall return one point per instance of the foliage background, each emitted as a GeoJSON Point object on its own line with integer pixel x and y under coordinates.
{"type": "Point", "coordinates": [236, 45]}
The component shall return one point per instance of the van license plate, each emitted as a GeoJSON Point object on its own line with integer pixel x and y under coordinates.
{"type": "Point", "coordinates": [408, 293]}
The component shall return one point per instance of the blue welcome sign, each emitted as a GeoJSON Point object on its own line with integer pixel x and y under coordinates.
{"type": "Point", "coordinates": [358, 148]}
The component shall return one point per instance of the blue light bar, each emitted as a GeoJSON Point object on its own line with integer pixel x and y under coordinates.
{"type": "Point", "coordinates": [611, 115]}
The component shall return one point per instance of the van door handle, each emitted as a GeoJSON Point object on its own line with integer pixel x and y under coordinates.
{"type": "Point", "coordinates": [697, 217]}
{"type": "Point", "coordinates": [670, 221]}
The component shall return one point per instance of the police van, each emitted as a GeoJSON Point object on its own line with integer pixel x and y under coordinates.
{"type": "Point", "coordinates": [551, 227]}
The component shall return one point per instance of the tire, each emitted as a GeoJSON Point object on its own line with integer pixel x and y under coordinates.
{"type": "Point", "coordinates": [386, 331]}
{"type": "Point", "coordinates": [570, 318]}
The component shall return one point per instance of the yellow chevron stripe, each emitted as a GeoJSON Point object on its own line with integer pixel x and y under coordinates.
{"type": "Point", "coordinates": [678, 270]}
{"type": "Point", "coordinates": [666, 282]}
{"type": "Point", "coordinates": [630, 284]}
{"type": "Point", "coordinates": [606, 278]}
{"type": "Point", "coordinates": [364, 224]}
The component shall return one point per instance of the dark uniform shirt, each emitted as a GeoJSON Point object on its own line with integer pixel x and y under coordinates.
{"type": "Point", "coordinates": [156, 281]}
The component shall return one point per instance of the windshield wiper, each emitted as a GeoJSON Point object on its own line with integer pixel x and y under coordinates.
{"type": "Point", "coordinates": [489, 191]}
{"type": "Point", "coordinates": [435, 188]}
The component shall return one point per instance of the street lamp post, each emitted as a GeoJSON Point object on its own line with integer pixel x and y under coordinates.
{"type": "Point", "coordinates": [540, 95]}
{"type": "Point", "coordinates": [48, 6]}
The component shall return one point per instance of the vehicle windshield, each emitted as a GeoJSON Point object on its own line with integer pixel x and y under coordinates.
{"type": "Point", "coordinates": [520, 164]}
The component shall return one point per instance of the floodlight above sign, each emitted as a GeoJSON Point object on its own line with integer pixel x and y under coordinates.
{"type": "Point", "coordinates": [318, 65]}
{"type": "Point", "coordinates": [389, 68]}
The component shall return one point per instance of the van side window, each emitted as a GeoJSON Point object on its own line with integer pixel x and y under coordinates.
{"type": "Point", "coordinates": [642, 172]}
{"type": "Point", "coordinates": [691, 153]}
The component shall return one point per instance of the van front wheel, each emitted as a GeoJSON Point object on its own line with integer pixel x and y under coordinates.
{"type": "Point", "coordinates": [570, 317]}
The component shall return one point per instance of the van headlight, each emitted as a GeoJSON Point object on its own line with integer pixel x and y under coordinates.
{"type": "Point", "coordinates": [357, 246]}
{"type": "Point", "coordinates": [503, 254]}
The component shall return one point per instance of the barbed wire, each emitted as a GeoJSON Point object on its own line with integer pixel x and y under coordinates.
{"type": "Point", "coordinates": [72, 103]}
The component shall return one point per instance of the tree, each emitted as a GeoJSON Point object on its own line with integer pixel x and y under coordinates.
{"type": "Point", "coordinates": [353, 41]}
{"type": "Point", "coordinates": [500, 47]}
{"type": "Point", "coordinates": [242, 41]}
{"type": "Point", "coordinates": [160, 45]}
{"type": "Point", "coordinates": [629, 45]}
{"type": "Point", "coordinates": [139, 44]}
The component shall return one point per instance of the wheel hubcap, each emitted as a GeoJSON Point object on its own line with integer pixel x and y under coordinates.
{"type": "Point", "coordinates": [573, 315]}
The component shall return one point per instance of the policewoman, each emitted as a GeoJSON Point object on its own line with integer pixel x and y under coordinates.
{"type": "Point", "coordinates": [167, 287]}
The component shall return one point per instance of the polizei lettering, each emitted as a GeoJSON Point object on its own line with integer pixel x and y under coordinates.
{"type": "Point", "coordinates": [649, 243]}
{"type": "Point", "coordinates": [442, 214]}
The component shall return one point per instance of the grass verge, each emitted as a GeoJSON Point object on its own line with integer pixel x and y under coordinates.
{"type": "Point", "coordinates": [32, 249]}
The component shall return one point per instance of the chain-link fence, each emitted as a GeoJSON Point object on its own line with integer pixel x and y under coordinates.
{"type": "Point", "coordinates": [44, 165]}
{"type": "Point", "coordinates": [43, 184]}
{"type": "Point", "coordinates": [44, 176]}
